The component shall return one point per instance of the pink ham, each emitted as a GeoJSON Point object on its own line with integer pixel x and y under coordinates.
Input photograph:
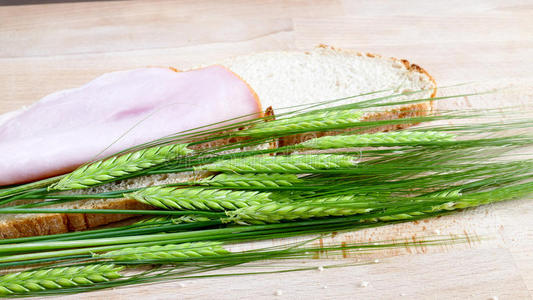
{"type": "Point", "coordinates": [69, 128]}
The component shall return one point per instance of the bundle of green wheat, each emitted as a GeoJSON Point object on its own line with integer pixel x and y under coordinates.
{"type": "Point", "coordinates": [356, 179]}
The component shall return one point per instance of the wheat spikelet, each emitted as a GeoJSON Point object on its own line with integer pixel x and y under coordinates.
{"type": "Point", "coordinates": [281, 164]}
{"type": "Point", "coordinates": [252, 180]}
{"type": "Point", "coordinates": [153, 222]}
{"type": "Point", "coordinates": [110, 169]}
{"type": "Point", "coordinates": [397, 138]}
{"type": "Point", "coordinates": [56, 278]}
{"type": "Point", "coordinates": [446, 193]}
{"type": "Point", "coordinates": [456, 202]}
{"type": "Point", "coordinates": [307, 122]}
{"type": "Point", "coordinates": [275, 212]}
{"type": "Point", "coordinates": [197, 198]}
{"type": "Point", "coordinates": [166, 252]}
{"type": "Point", "coordinates": [192, 219]}
{"type": "Point", "coordinates": [158, 221]}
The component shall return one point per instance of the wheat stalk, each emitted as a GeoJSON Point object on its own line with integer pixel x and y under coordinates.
{"type": "Point", "coordinates": [307, 122]}
{"type": "Point", "coordinates": [197, 198]}
{"type": "Point", "coordinates": [397, 138]}
{"type": "Point", "coordinates": [56, 278]}
{"type": "Point", "coordinates": [110, 169]}
{"type": "Point", "coordinates": [252, 180]}
{"type": "Point", "coordinates": [275, 212]}
{"type": "Point", "coordinates": [281, 164]}
{"type": "Point", "coordinates": [166, 252]}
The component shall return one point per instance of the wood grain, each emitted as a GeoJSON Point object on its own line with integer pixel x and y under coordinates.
{"type": "Point", "coordinates": [75, 28]}
{"type": "Point", "coordinates": [48, 47]}
{"type": "Point", "coordinates": [451, 48]}
{"type": "Point", "coordinates": [430, 276]}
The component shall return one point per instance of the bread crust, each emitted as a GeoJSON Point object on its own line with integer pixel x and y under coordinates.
{"type": "Point", "coordinates": [46, 224]}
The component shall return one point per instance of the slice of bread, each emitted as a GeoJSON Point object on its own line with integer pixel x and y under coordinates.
{"type": "Point", "coordinates": [280, 79]}
{"type": "Point", "coordinates": [283, 79]}
{"type": "Point", "coordinates": [288, 78]}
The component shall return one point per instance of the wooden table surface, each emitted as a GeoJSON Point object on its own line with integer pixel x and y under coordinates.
{"type": "Point", "coordinates": [53, 46]}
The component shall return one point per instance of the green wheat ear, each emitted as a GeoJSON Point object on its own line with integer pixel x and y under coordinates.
{"type": "Point", "coordinates": [281, 164]}
{"type": "Point", "coordinates": [396, 138]}
{"type": "Point", "coordinates": [327, 120]}
{"type": "Point", "coordinates": [111, 169]}
{"type": "Point", "coordinates": [454, 200]}
{"type": "Point", "coordinates": [252, 180]}
{"type": "Point", "coordinates": [275, 212]}
{"type": "Point", "coordinates": [56, 278]}
{"type": "Point", "coordinates": [197, 198]}
{"type": "Point", "coordinates": [166, 252]}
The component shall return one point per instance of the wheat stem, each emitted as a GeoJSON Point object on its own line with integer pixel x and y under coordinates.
{"type": "Point", "coordinates": [398, 138]}
{"type": "Point", "coordinates": [307, 122]}
{"type": "Point", "coordinates": [56, 278]}
{"type": "Point", "coordinates": [198, 198]}
{"type": "Point", "coordinates": [110, 169]}
{"type": "Point", "coordinates": [281, 164]}
{"type": "Point", "coordinates": [166, 252]}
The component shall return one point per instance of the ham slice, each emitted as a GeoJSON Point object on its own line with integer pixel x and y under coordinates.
{"type": "Point", "coordinates": [69, 128]}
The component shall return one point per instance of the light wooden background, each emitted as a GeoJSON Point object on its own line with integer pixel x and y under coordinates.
{"type": "Point", "coordinates": [47, 47]}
